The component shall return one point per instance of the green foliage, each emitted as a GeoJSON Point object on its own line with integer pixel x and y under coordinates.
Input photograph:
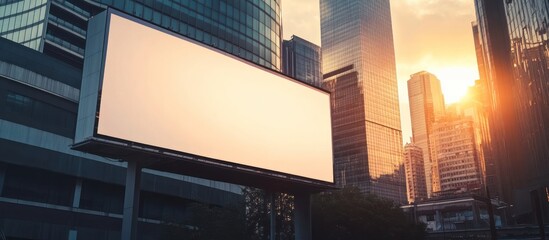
{"type": "Point", "coordinates": [348, 214]}
{"type": "Point", "coordinates": [257, 219]}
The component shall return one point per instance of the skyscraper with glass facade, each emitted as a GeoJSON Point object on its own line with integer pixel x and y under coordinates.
{"type": "Point", "coordinates": [358, 63]}
{"type": "Point", "coordinates": [426, 105]}
{"type": "Point", "coordinates": [528, 24]}
{"type": "Point", "coordinates": [514, 40]}
{"type": "Point", "coordinates": [495, 66]}
{"type": "Point", "coordinates": [301, 60]}
{"type": "Point", "coordinates": [47, 190]}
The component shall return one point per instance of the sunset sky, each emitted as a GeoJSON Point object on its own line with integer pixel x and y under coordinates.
{"type": "Point", "coordinates": [430, 35]}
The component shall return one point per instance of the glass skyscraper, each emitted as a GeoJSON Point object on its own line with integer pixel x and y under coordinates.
{"type": "Point", "coordinates": [514, 42]}
{"type": "Point", "coordinates": [301, 60]}
{"type": "Point", "coordinates": [426, 105]}
{"type": "Point", "coordinates": [496, 74]}
{"type": "Point", "coordinates": [528, 24]}
{"type": "Point", "coordinates": [358, 63]}
{"type": "Point", "coordinates": [49, 191]}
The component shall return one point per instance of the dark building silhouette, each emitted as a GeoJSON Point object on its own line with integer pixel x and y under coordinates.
{"type": "Point", "coordinates": [301, 60]}
{"type": "Point", "coordinates": [514, 42]}
{"type": "Point", "coordinates": [499, 84]}
{"type": "Point", "coordinates": [528, 24]}
{"type": "Point", "coordinates": [47, 190]}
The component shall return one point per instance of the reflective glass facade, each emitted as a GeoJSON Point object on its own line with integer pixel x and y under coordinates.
{"type": "Point", "coordinates": [358, 63]}
{"type": "Point", "coordinates": [514, 41]}
{"type": "Point", "coordinates": [301, 60]}
{"type": "Point", "coordinates": [426, 105]}
{"type": "Point", "coordinates": [528, 24]}
{"type": "Point", "coordinates": [248, 29]}
{"type": "Point", "coordinates": [23, 21]}
{"type": "Point", "coordinates": [495, 66]}
{"type": "Point", "coordinates": [42, 181]}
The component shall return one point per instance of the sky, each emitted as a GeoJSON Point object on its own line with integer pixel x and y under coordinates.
{"type": "Point", "coordinates": [429, 35]}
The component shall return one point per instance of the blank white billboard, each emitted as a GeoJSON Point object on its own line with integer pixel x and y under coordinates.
{"type": "Point", "coordinates": [164, 91]}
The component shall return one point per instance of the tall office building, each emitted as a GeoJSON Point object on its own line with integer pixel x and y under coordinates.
{"type": "Point", "coordinates": [496, 65]}
{"type": "Point", "coordinates": [415, 173]}
{"type": "Point", "coordinates": [47, 190]}
{"type": "Point", "coordinates": [358, 63]}
{"type": "Point", "coordinates": [426, 105]}
{"type": "Point", "coordinates": [301, 60]}
{"type": "Point", "coordinates": [513, 37]}
{"type": "Point", "coordinates": [454, 152]}
{"type": "Point", "coordinates": [528, 24]}
{"type": "Point", "coordinates": [56, 28]}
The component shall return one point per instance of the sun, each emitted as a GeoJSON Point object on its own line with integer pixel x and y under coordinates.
{"type": "Point", "coordinates": [455, 81]}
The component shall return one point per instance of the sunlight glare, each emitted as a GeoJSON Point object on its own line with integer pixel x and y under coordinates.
{"type": "Point", "coordinates": [455, 81]}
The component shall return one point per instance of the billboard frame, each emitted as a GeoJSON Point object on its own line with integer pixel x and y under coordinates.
{"type": "Point", "coordinates": [88, 139]}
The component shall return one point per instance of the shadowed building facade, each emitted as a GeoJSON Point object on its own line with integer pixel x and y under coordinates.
{"type": "Point", "coordinates": [47, 190]}
{"type": "Point", "coordinates": [528, 24]}
{"type": "Point", "coordinates": [514, 41]}
{"type": "Point", "coordinates": [358, 63]}
{"type": "Point", "coordinates": [301, 60]}
{"type": "Point", "coordinates": [415, 173]}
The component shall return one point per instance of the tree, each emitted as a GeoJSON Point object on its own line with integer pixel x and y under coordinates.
{"type": "Point", "coordinates": [246, 220]}
{"type": "Point", "coordinates": [348, 214]}
{"type": "Point", "coordinates": [258, 212]}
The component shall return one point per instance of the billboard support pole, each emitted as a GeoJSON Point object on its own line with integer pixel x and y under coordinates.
{"type": "Point", "coordinates": [131, 201]}
{"type": "Point", "coordinates": [2, 177]}
{"type": "Point", "coordinates": [302, 216]}
{"type": "Point", "coordinates": [272, 215]}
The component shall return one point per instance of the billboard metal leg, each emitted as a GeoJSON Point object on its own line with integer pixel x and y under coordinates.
{"type": "Point", "coordinates": [302, 216]}
{"type": "Point", "coordinates": [131, 201]}
{"type": "Point", "coordinates": [272, 216]}
{"type": "Point", "coordinates": [2, 177]}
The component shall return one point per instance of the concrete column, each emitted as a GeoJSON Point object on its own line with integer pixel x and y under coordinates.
{"type": "Point", "coordinates": [536, 210]}
{"type": "Point", "coordinates": [77, 193]}
{"type": "Point", "coordinates": [2, 178]}
{"type": "Point", "coordinates": [476, 215]}
{"type": "Point", "coordinates": [302, 216]}
{"type": "Point", "coordinates": [72, 234]}
{"type": "Point", "coordinates": [272, 215]}
{"type": "Point", "coordinates": [131, 201]}
{"type": "Point", "coordinates": [439, 220]}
